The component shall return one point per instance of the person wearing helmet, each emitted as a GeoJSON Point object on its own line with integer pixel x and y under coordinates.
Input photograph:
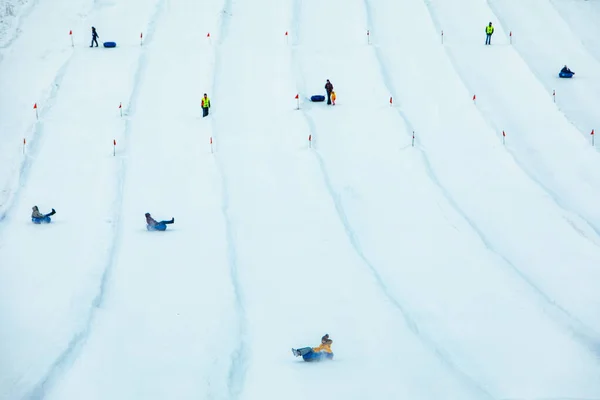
{"type": "Point", "coordinates": [37, 217]}
{"type": "Point", "coordinates": [321, 352]}
{"type": "Point", "coordinates": [153, 225]}
{"type": "Point", "coordinates": [94, 37]}
{"type": "Point", "coordinates": [489, 31]}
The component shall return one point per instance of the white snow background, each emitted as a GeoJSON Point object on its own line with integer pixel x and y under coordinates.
{"type": "Point", "coordinates": [445, 260]}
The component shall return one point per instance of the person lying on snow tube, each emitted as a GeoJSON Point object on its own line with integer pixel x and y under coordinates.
{"type": "Point", "coordinates": [565, 72]}
{"type": "Point", "coordinates": [153, 225]}
{"type": "Point", "coordinates": [320, 353]}
{"type": "Point", "coordinates": [38, 218]}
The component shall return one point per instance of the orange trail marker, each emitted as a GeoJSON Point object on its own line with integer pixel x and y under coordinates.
{"type": "Point", "coordinates": [211, 145]}
{"type": "Point", "coordinates": [24, 143]}
{"type": "Point", "coordinates": [474, 98]}
{"type": "Point", "coordinates": [309, 141]}
{"type": "Point", "coordinates": [141, 37]}
{"type": "Point", "coordinates": [71, 35]}
{"type": "Point", "coordinates": [390, 100]}
{"type": "Point", "coordinates": [297, 102]}
{"type": "Point", "coordinates": [114, 147]}
{"type": "Point", "coordinates": [503, 137]}
{"type": "Point", "coordinates": [121, 109]}
{"type": "Point", "coordinates": [35, 107]}
{"type": "Point", "coordinates": [592, 134]}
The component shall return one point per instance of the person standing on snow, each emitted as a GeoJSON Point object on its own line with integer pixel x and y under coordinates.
{"type": "Point", "coordinates": [205, 105]}
{"type": "Point", "coordinates": [489, 31]}
{"type": "Point", "coordinates": [94, 37]}
{"type": "Point", "coordinates": [329, 89]}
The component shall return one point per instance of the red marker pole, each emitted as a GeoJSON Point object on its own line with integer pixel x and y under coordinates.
{"type": "Point", "coordinates": [442, 37]}
{"type": "Point", "coordinates": [503, 137]}
{"type": "Point", "coordinates": [286, 37]}
{"type": "Point", "coordinates": [510, 36]}
{"type": "Point", "coordinates": [592, 137]}
{"type": "Point", "coordinates": [114, 147]}
{"type": "Point", "coordinates": [71, 35]}
{"type": "Point", "coordinates": [211, 145]}
{"type": "Point", "coordinates": [208, 37]}
{"type": "Point", "coordinates": [297, 102]}
{"type": "Point", "coordinates": [368, 37]}
{"type": "Point", "coordinates": [390, 101]}
{"type": "Point", "coordinates": [413, 139]}
{"type": "Point", "coordinates": [310, 141]}
{"type": "Point", "coordinates": [141, 37]}
{"type": "Point", "coordinates": [121, 109]}
{"type": "Point", "coordinates": [554, 95]}
{"type": "Point", "coordinates": [24, 143]}
{"type": "Point", "coordinates": [474, 99]}
{"type": "Point", "coordinates": [36, 111]}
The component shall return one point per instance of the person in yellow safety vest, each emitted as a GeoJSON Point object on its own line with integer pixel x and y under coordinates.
{"type": "Point", "coordinates": [205, 105]}
{"type": "Point", "coordinates": [489, 30]}
{"type": "Point", "coordinates": [333, 97]}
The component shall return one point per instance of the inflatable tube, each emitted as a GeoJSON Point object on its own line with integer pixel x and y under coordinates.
{"type": "Point", "coordinates": [566, 74]}
{"type": "Point", "coordinates": [157, 227]}
{"type": "Point", "coordinates": [43, 220]}
{"type": "Point", "coordinates": [317, 98]}
{"type": "Point", "coordinates": [321, 356]}
{"type": "Point", "coordinates": [110, 44]}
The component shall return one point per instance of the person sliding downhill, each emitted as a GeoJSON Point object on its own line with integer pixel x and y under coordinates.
{"type": "Point", "coordinates": [319, 353]}
{"type": "Point", "coordinates": [153, 225]}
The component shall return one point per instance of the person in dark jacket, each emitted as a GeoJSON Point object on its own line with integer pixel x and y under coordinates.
{"type": "Point", "coordinates": [94, 37]}
{"type": "Point", "coordinates": [205, 103]}
{"type": "Point", "coordinates": [329, 89]}
{"type": "Point", "coordinates": [37, 217]}
{"type": "Point", "coordinates": [566, 70]}
{"type": "Point", "coordinates": [153, 225]}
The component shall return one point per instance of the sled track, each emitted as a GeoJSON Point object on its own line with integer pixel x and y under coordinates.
{"type": "Point", "coordinates": [584, 334]}
{"type": "Point", "coordinates": [34, 139]}
{"type": "Point", "coordinates": [65, 360]}
{"type": "Point", "coordinates": [422, 336]}
{"type": "Point", "coordinates": [240, 354]}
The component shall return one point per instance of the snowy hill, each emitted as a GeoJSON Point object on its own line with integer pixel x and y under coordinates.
{"type": "Point", "coordinates": [446, 261]}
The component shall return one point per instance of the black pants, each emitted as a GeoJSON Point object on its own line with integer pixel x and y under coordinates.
{"type": "Point", "coordinates": [328, 97]}
{"type": "Point", "coordinates": [204, 112]}
{"type": "Point", "coordinates": [94, 40]}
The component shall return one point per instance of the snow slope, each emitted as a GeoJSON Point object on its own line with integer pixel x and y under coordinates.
{"type": "Point", "coordinates": [457, 268]}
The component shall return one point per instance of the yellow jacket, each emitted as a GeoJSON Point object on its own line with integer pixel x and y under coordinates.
{"type": "Point", "coordinates": [323, 347]}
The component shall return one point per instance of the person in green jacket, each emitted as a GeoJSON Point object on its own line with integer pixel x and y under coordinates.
{"type": "Point", "coordinates": [489, 31]}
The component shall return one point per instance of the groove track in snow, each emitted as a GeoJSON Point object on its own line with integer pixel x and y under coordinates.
{"type": "Point", "coordinates": [35, 137]}
{"type": "Point", "coordinates": [583, 333]}
{"type": "Point", "coordinates": [240, 354]}
{"type": "Point", "coordinates": [422, 336]}
{"type": "Point", "coordinates": [65, 360]}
